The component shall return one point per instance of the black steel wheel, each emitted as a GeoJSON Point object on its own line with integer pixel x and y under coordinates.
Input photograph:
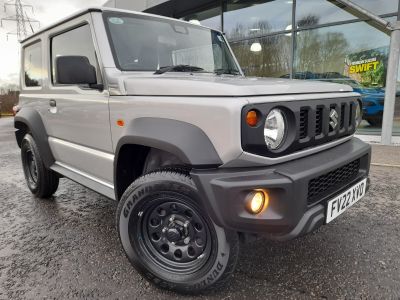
{"type": "Point", "coordinates": [41, 181]}
{"type": "Point", "coordinates": [30, 167]}
{"type": "Point", "coordinates": [175, 235]}
{"type": "Point", "coordinates": [169, 238]}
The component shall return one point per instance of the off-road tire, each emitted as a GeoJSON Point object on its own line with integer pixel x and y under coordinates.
{"type": "Point", "coordinates": [146, 195]}
{"type": "Point", "coordinates": [42, 182]}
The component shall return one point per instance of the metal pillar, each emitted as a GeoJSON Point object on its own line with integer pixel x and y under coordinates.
{"type": "Point", "coordinates": [391, 85]}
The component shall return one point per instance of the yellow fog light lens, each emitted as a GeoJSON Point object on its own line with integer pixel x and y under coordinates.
{"type": "Point", "coordinates": [257, 201]}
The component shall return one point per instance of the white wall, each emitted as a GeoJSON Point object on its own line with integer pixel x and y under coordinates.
{"type": "Point", "coordinates": [138, 5]}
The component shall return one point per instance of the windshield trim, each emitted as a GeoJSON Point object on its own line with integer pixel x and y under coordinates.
{"type": "Point", "coordinates": [107, 14]}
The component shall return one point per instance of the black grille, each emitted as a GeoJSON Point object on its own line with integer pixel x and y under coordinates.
{"type": "Point", "coordinates": [320, 186]}
{"type": "Point", "coordinates": [318, 120]}
{"type": "Point", "coordinates": [303, 123]}
{"type": "Point", "coordinates": [309, 124]}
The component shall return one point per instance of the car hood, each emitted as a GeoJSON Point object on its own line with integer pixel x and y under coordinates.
{"type": "Point", "coordinates": [223, 86]}
{"type": "Point", "coordinates": [372, 92]}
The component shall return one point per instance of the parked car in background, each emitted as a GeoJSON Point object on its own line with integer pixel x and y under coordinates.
{"type": "Point", "coordinates": [372, 98]}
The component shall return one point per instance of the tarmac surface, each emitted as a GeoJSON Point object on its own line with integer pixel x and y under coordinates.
{"type": "Point", "coordinates": [68, 248]}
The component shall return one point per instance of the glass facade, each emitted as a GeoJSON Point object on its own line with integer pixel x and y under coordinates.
{"type": "Point", "coordinates": [244, 18]}
{"type": "Point", "coordinates": [268, 55]}
{"type": "Point", "coordinates": [396, 123]}
{"type": "Point", "coordinates": [327, 12]}
{"type": "Point", "coordinates": [327, 43]}
{"type": "Point", "coordinates": [210, 17]}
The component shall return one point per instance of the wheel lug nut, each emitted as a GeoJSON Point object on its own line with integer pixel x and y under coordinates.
{"type": "Point", "coordinates": [172, 218]}
{"type": "Point", "coordinates": [164, 230]}
{"type": "Point", "coordinates": [186, 240]}
{"type": "Point", "coordinates": [186, 224]}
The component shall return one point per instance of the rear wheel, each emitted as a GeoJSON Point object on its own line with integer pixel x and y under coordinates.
{"type": "Point", "coordinates": [169, 238]}
{"type": "Point", "coordinates": [41, 181]}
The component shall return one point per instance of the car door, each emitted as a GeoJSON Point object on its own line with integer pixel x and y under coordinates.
{"type": "Point", "coordinates": [77, 119]}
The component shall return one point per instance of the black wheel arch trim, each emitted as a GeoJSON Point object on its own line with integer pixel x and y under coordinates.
{"type": "Point", "coordinates": [29, 120]}
{"type": "Point", "coordinates": [184, 140]}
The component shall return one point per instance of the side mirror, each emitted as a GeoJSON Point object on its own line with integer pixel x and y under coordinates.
{"type": "Point", "coordinates": [75, 70]}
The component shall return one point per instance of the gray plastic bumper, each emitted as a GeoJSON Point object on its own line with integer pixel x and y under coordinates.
{"type": "Point", "coordinates": [289, 214]}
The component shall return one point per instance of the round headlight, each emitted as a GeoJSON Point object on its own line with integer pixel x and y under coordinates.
{"type": "Point", "coordinates": [274, 129]}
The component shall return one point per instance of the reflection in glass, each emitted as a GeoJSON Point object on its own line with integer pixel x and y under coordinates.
{"type": "Point", "coordinates": [307, 15]}
{"type": "Point", "coordinates": [247, 18]}
{"type": "Point", "coordinates": [74, 42]}
{"type": "Point", "coordinates": [33, 65]}
{"type": "Point", "coordinates": [269, 56]}
{"type": "Point", "coordinates": [344, 54]}
{"type": "Point", "coordinates": [209, 17]}
{"type": "Point", "coordinates": [143, 43]}
{"type": "Point", "coordinates": [396, 123]}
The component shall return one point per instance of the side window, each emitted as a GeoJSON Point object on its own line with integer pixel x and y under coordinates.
{"type": "Point", "coordinates": [33, 68]}
{"type": "Point", "coordinates": [77, 42]}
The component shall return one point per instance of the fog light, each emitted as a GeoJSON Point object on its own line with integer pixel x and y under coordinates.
{"type": "Point", "coordinates": [257, 201]}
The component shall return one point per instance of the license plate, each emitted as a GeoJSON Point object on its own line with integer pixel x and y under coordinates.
{"type": "Point", "coordinates": [345, 200]}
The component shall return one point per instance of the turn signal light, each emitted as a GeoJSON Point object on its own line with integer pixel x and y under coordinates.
{"type": "Point", "coordinates": [257, 201]}
{"type": "Point", "coordinates": [252, 118]}
{"type": "Point", "coordinates": [120, 123]}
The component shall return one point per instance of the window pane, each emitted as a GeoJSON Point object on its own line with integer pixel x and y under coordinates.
{"type": "Point", "coordinates": [355, 54]}
{"type": "Point", "coordinates": [33, 65]}
{"type": "Point", "coordinates": [143, 43]}
{"type": "Point", "coordinates": [396, 123]}
{"type": "Point", "coordinates": [210, 18]}
{"type": "Point", "coordinates": [326, 12]}
{"type": "Point", "coordinates": [269, 56]}
{"type": "Point", "coordinates": [245, 18]}
{"type": "Point", "coordinates": [74, 42]}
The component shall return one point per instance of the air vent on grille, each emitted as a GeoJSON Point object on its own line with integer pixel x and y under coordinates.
{"type": "Point", "coordinates": [342, 115]}
{"type": "Point", "coordinates": [318, 120]}
{"type": "Point", "coordinates": [351, 114]}
{"type": "Point", "coordinates": [317, 187]}
{"type": "Point", "coordinates": [303, 123]}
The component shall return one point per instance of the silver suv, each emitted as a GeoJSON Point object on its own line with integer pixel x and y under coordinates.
{"type": "Point", "coordinates": [156, 114]}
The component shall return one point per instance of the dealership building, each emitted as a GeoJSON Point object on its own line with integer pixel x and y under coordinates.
{"type": "Point", "coordinates": [301, 39]}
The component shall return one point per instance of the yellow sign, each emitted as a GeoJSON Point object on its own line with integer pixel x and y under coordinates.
{"type": "Point", "coordinates": [363, 65]}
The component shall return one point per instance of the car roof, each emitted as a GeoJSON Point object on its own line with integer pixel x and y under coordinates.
{"type": "Point", "coordinates": [101, 9]}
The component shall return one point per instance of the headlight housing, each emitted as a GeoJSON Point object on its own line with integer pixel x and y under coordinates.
{"type": "Point", "coordinates": [275, 129]}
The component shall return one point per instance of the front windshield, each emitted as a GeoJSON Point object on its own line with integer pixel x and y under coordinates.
{"type": "Point", "coordinates": [144, 43]}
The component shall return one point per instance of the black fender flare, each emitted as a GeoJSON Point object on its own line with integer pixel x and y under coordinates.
{"type": "Point", "coordinates": [184, 140]}
{"type": "Point", "coordinates": [29, 120]}
{"type": "Point", "coordinates": [188, 142]}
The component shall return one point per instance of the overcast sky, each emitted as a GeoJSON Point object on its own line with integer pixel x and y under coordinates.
{"type": "Point", "coordinates": [45, 11]}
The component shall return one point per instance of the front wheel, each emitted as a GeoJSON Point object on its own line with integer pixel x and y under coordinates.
{"type": "Point", "coordinates": [169, 238]}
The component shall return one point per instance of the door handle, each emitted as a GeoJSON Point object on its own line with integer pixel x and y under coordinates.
{"type": "Point", "coordinates": [53, 106]}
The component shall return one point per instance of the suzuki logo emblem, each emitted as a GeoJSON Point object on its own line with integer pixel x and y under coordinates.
{"type": "Point", "coordinates": [334, 122]}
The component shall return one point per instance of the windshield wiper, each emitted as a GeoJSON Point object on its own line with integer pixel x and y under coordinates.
{"type": "Point", "coordinates": [178, 68]}
{"type": "Point", "coordinates": [226, 71]}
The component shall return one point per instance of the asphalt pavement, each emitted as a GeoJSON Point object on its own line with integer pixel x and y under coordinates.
{"type": "Point", "coordinates": [68, 248]}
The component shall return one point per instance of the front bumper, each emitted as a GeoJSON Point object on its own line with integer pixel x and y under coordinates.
{"type": "Point", "coordinates": [292, 211]}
